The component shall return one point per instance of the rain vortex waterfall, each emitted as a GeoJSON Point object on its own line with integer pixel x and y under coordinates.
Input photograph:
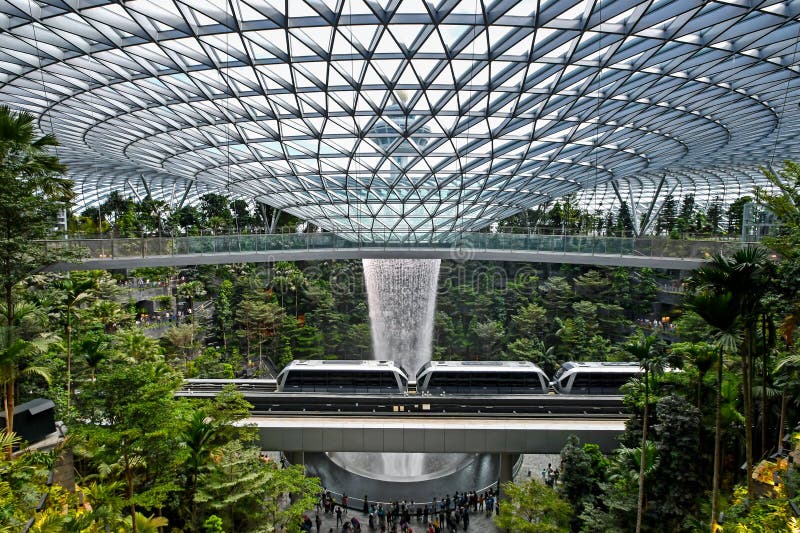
{"type": "Point", "coordinates": [402, 301]}
{"type": "Point", "coordinates": [401, 294]}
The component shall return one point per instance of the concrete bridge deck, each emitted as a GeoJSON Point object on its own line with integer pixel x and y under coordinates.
{"type": "Point", "coordinates": [477, 434]}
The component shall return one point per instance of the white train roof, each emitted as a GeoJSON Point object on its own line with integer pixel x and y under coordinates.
{"type": "Point", "coordinates": [341, 364]}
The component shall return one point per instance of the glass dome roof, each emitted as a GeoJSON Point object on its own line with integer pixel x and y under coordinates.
{"type": "Point", "coordinates": [411, 116]}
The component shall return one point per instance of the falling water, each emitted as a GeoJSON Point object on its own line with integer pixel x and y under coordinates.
{"type": "Point", "coordinates": [402, 301]}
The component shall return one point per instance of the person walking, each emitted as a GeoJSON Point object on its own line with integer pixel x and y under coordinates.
{"type": "Point", "coordinates": [338, 516]}
{"type": "Point", "coordinates": [318, 522]}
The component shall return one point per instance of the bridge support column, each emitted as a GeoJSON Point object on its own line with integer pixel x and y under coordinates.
{"type": "Point", "coordinates": [506, 474]}
{"type": "Point", "coordinates": [296, 457]}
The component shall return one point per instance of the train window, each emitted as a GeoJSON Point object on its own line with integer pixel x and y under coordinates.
{"type": "Point", "coordinates": [582, 384]}
{"type": "Point", "coordinates": [611, 383]}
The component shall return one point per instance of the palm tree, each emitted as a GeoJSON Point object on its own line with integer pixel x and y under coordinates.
{"type": "Point", "coordinates": [109, 314]}
{"type": "Point", "coordinates": [147, 524]}
{"type": "Point", "coordinates": [95, 348]}
{"type": "Point", "coordinates": [645, 351]}
{"type": "Point", "coordinates": [787, 379]}
{"type": "Point", "coordinates": [72, 291]}
{"type": "Point", "coordinates": [12, 369]}
{"type": "Point", "coordinates": [30, 191]}
{"type": "Point", "coordinates": [29, 186]}
{"type": "Point", "coordinates": [719, 313]}
{"type": "Point", "coordinates": [106, 503]}
{"type": "Point", "coordinates": [743, 276]}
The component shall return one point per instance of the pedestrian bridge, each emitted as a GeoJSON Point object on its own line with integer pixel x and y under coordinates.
{"type": "Point", "coordinates": [268, 248]}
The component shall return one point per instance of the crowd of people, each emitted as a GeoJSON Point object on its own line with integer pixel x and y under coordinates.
{"type": "Point", "coordinates": [550, 476]}
{"type": "Point", "coordinates": [656, 324]}
{"type": "Point", "coordinates": [445, 515]}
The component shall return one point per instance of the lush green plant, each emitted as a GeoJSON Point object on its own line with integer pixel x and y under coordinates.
{"type": "Point", "coordinates": [531, 507]}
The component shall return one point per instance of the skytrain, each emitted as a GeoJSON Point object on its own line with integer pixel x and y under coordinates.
{"type": "Point", "coordinates": [454, 378]}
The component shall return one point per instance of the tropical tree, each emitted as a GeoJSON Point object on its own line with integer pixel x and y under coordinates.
{"type": "Point", "coordinates": [106, 503]}
{"type": "Point", "coordinates": [532, 507]}
{"type": "Point", "coordinates": [183, 341]}
{"type": "Point", "coordinates": [130, 421]}
{"type": "Point", "coordinates": [94, 347]}
{"type": "Point", "coordinates": [71, 291]}
{"type": "Point", "coordinates": [12, 369]}
{"type": "Point", "coordinates": [198, 440]}
{"type": "Point", "coordinates": [719, 312]}
{"type": "Point", "coordinates": [147, 524]}
{"type": "Point", "coordinates": [743, 276]}
{"type": "Point", "coordinates": [645, 350]}
{"type": "Point", "coordinates": [134, 346]}
{"type": "Point", "coordinates": [31, 194]}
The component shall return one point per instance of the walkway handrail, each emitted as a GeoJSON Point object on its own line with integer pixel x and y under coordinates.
{"type": "Point", "coordinates": [460, 243]}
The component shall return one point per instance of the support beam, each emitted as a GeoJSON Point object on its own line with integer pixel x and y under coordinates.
{"type": "Point", "coordinates": [645, 223]}
{"type": "Point", "coordinates": [631, 210]}
{"type": "Point", "coordinates": [658, 209]}
{"type": "Point", "coordinates": [135, 192]}
{"type": "Point", "coordinates": [146, 186]}
{"type": "Point", "coordinates": [506, 473]}
{"type": "Point", "coordinates": [273, 224]}
{"type": "Point", "coordinates": [185, 195]}
{"type": "Point", "coordinates": [296, 457]}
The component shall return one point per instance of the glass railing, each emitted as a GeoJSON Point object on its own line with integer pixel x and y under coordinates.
{"type": "Point", "coordinates": [461, 242]}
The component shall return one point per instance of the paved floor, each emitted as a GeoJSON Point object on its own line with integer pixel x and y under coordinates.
{"type": "Point", "coordinates": [532, 465]}
{"type": "Point", "coordinates": [478, 523]}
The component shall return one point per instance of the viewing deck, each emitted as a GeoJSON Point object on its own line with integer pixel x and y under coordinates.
{"type": "Point", "coordinates": [267, 248]}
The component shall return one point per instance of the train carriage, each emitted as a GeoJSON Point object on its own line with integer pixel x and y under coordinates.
{"type": "Point", "coordinates": [594, 377]}
{"type": "Point", "coordinates": [342, 376]}
{"type": "Point", "coordinates": [481, 377]}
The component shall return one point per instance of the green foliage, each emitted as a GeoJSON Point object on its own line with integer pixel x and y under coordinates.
{"type": "Point", "coordinates": [240, 487]}
{"type": "Point", "coordinates": [583, 469]}
{"type": "Point", "coordinates": [211, 364]}
{"type": "Point", "coordinates": [761, 516]}
{"type": "Point", "coordinates": [213, 524]}
{"type": "Point", "coordinates": [682, 457]}
{"type": "Point", "coordinates": [22, 481]}
{"type": "Point", "coordinates": [531, 507]}
{"type": "Point", "coordinates": [784, 203]}
{"type": "Point", "coordinates": [31, 194]}
{"type": "Point", "coordinates": [130, 428]}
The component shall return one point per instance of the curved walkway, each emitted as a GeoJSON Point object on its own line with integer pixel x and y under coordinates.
{"type": "Point", "coordinates": [268, 248]}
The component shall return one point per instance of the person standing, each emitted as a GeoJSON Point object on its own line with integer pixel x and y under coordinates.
{"type": "Point", "coordinates": [318, 522]}
{"type": "Point", "coordinates": [338, 516]}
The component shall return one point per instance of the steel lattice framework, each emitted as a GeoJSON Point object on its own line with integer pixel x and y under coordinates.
{"type": "Point", "coordinates": [407, 117]}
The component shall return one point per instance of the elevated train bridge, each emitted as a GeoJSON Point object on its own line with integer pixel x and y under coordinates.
{"type": "Point", "coordinates": [508, 425]}
{"type": "Point", "coordinates": [267, 248]}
